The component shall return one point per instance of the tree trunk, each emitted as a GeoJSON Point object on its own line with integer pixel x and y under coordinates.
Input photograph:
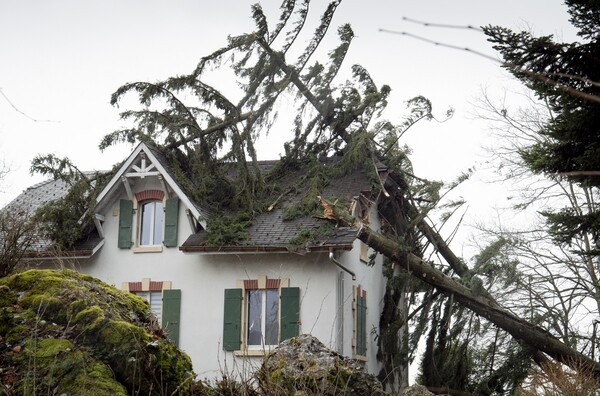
{"type": "Point", "coordinates": [481, 305]}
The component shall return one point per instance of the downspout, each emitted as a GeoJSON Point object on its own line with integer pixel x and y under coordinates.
{"type": "Point", "coordinates": [333, 260]}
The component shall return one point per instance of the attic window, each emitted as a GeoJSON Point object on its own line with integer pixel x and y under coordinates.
{"type": "Point", "coordinates": [151, 223]}
{"type": "Point", "coordinates": [151, 217]}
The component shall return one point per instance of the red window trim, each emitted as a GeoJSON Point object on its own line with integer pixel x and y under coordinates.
{"type": "Point", "coordinates": [252, 284]}
{"type": "Point", "coordinates": [155, 286]}
{"type": "Point", "coordinates": [150, 195]}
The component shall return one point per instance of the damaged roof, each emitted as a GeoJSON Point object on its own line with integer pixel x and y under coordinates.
{"type": "Point", "coordinates": [271, 231]}
{"type": "Point", "coordinates": [267, 232]}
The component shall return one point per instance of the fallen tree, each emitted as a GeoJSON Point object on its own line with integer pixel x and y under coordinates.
{"type": "Point", "coordinates": [341, 121]}
{"type": "Point", "coordinates": [479, 302]}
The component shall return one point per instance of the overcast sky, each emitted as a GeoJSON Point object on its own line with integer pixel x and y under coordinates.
{"type": "Point", "coordinates": [62, 59]}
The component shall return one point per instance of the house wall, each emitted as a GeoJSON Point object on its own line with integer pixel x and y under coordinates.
{"type": "Point", "coordinates": [202, 279]}
{"type": "Point", "coordinates": [371, 279]}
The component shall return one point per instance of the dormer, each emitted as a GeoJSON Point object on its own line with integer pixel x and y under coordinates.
{"type": "Point", "coordinates": [147, 199]}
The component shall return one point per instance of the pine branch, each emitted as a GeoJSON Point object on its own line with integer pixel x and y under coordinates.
{"type": "Point", "coordinates": [293, 35]}
{"type": "Point", "coordinates": [442, 25]}
{"type": "Point", "coordinates": [287, 9]}
{"type": "Point", "coordinates": [293, 76]}
{"type": "Point", "coordinates": [318, 36]}
{"type": "Point", "coordinates": [20, 112]}
{"type": "Point", "coordinates": [545, 77]}
{"type": "Point", "coordinates": [580, 173]}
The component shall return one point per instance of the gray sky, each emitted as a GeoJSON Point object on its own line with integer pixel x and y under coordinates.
{"type": "Point", "coordinates": [62, 59]}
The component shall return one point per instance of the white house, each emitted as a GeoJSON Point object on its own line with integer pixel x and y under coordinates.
{"type": "Point", "coordinates": [226, 306]}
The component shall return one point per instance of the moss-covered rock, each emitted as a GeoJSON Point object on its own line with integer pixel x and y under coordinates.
{"type": "Point", "coordinates": [304, 366]}
{"type": "Point", "coordinates": [56, 365]}
{"type": "Point", "coordinates": [62, 332]}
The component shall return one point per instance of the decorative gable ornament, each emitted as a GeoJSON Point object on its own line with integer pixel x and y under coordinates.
{"type": "Point", "coordinates": [146, 161]}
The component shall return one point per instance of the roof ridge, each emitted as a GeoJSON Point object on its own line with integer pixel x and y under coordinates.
{"type": "Point", "coordinates": [40, 184]}
{"type": "Point", "coordinates": [54, 179]}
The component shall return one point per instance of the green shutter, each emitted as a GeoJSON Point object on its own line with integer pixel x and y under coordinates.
{"type": "Point", "coordinates": [361, 325]}
{"type": "Point", "coordinates": [232, 320]}
{"type": "Point", "coordinates": [170, 314]}
{"type": "Point", "coordinates": [290, 312]}
{"type": "Point", "coordinates": [125, 223]}
{"type": "Point", "coordinates": [171, 217]}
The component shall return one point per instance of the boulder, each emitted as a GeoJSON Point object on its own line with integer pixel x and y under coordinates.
{"type": "Point", "coordinates": [65, 333]}
{"type": "Point", "coordinates": [304, 366]}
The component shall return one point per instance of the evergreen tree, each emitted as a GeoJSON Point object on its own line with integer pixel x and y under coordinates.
{"type": "Point", "coordinates": [567, 77]}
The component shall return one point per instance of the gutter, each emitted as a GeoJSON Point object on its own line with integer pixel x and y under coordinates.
{"type": "Point", "coordinates": [333, 260]}
{"type": "Point", "coordinates": [260, 249]}
{"type": "Point", "coordinates": [68, 254]}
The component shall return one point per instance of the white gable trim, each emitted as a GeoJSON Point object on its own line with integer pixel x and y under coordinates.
{"type": "Point", "coordinates": [116, 180]}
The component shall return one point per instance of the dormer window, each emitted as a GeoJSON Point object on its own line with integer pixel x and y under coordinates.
{"type": "Point", "coordinates": [151, 223]}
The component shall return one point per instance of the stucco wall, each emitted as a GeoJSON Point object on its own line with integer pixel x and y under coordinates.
{"type": "Point", "coordinates": [202, 279]}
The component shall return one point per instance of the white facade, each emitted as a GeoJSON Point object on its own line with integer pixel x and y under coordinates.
{"type": "Point", "coordinates": [326, 290]}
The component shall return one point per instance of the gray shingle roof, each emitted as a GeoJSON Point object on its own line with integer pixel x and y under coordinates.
{"type": "Point", "coordinates": [36, 196]}
{"type": "Point", "coordinates": [269, 231]}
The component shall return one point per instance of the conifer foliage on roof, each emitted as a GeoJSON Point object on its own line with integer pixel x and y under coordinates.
{"type": "Point", "coordinates": [203, 133]}
{"type": "Point", "coordinates": [199, 127]}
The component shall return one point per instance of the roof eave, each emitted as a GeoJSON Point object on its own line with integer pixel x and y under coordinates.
{"type": "Point", "coordinates": [70, 254]}
{"type": "Point", "coordinates": [264, 248]}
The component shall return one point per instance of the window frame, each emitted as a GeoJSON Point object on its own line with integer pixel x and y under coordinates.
{"type": "Point", "coordinates": [147, 295]}
{"type": "Point", "coordinates": [169, 296]}
{"type": "Point", "coordinates": [153, 230]}
{"type": "Point", "coordinates": [138, 206]}
{"type": "Point", "coordinates": [130, 223]}
{"type": "Point", "coordinates": [260, 284]}
{"type": "Point", "coordinates": [147, 285]}
{"type": "Point", "coordinates": [264, 324]}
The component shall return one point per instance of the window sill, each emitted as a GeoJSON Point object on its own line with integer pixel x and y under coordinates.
{"type": "Point", "coordinates": [360, 358]}
{"type": "Point", "coordinates": [254, 352]}
{"type": "Point", "coordinates": [148, 249]}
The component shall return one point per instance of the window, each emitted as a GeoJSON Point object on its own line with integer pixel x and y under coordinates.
{"type": "Point", "coordinates": [165, 303]}
{"type": "Point", "coordinates": [362, 211]}
{"type": "Point", "coordinates": [364, 252]}
{"type": "Point", "coordinates": [263, 317]}
{"type": "Point", "coordinates": [155, 220]}
{"type": "Point", "coordinates": [359, 309]}
{"type": "Point", "coordinates": [259, 314]}
{"type": "Point", "coordinates": [154, 298]}
{"type": "Point", "coordinates": [151, 223]}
